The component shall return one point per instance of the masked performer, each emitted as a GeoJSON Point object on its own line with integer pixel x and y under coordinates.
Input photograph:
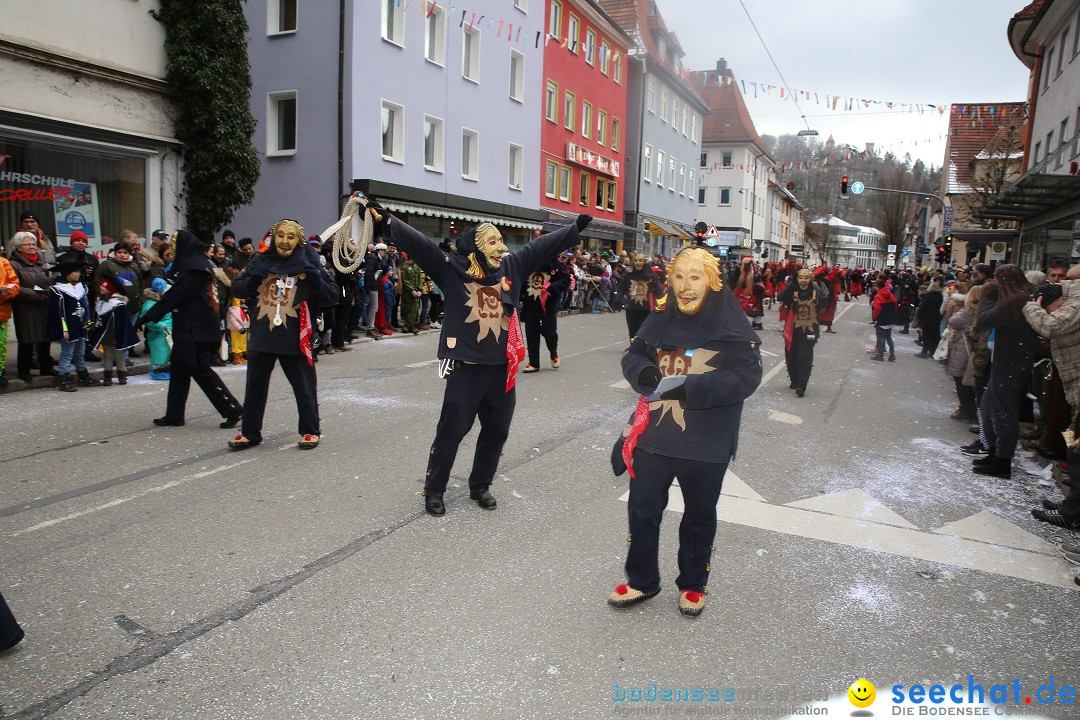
{"type": "Point", "coordinates": [834, 283]}
{"type": "Point", "coordinates": [690, 431]}
{"type": "Point", "coordinates": [540, 311]}
{"type": "Point", "coordinates": [480, 344]}
{"type": "Point", "coordinates": [283, 288]}
{"type": "Point", "coordinates": [804, 299]}
{"type": "Point", "coordinates": [640, 289]}
{"type": "Point", "coordinates": [750, 293]}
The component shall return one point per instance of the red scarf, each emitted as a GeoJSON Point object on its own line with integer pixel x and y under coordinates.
{"type": "Point", "coordinates": [641, 419]}
{"type": "Point", "coordinates": [515, 351]}
{"type": "Point", "coordinates": [305, 332]}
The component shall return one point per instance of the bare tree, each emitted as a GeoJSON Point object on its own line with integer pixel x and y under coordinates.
{"type": "Point", "coordinates": [996, 167]}
{"type": "Point", "coordinates": [892, 208]}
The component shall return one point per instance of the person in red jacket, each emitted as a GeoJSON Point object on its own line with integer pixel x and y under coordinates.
{"type": "Point", "coordinates": [884, 313]}
{"type": "Point", "coordinates": [834, 280]}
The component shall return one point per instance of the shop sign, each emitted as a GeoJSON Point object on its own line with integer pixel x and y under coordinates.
{"type": "Point", "coordinates": [583, 156]}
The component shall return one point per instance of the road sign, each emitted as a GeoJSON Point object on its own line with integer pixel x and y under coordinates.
{"type": "Point", "coordinates": [857, 187]}
{"type": "Point", "coordinates": [746, 242]}
{"type": "Point", "coordinates": [892, 249]}
{"type": "Point", "coordinates": [710, 242]}
{"type": "Point", "coordinates": [712, 232]}
{"type": "Point", "coordinates": [890, 259]}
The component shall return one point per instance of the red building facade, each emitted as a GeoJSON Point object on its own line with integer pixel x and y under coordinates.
{"type": "Point", "coordinates": [583, 131]}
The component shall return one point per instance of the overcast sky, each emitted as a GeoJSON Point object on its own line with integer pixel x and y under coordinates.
{"type": "Point", "coordinates": [902, 51]}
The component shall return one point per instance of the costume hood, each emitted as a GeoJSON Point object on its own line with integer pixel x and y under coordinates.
{"type": "Point", "coordinates": [190, 254]}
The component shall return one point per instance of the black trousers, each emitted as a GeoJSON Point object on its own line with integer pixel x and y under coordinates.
{"type": "Point", "coordinates": [191, 361]}
{"type": "Point", "coordinates": [931, 336]}
{"type": "Point", "coordinates": [25, 355]}
{"type": "Point", "coordinates": [299, 374]}
{"type": "Point", "coordinates": [472, 391]}
{"type": "Point", "coordinates": [800, 360]}
{"type": "Point", "coordinates": [9, 627]}
{"type": "Point", "coordinates": [539, 323]}
{"type": "Point", "coordinates": [700, 483]}
{"type": "Point", "coordinates": [999, 414]}
{"type": "Point", "coordinates": [634, 318]}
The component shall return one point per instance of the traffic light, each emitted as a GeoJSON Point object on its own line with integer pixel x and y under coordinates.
{"type": "Point", "coordinates": [700, 239]}
{"type": "Point", "coordinates": [843, 185]}
{"type": "Point", "coordinates": [941, 253]}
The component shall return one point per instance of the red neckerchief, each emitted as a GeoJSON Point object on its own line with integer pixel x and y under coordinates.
{"type": "Point", "coordinates": [641, 419]}
{"type": "Point", "coordinates": [515, 351]}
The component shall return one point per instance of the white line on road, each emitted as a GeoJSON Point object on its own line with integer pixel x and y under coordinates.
{"type": "Point", "coordinates": [770, 354]}
{"type": "Point", "coordinates": [121, 501]}
{"type": "Point", "coordinates": [422, 364]}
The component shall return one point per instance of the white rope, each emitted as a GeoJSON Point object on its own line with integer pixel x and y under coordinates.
{"type": "Point", "coordinates": [351, 234]}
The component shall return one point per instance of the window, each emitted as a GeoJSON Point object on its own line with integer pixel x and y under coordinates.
{"type": "Point", "coordinates": [693, 131]}
{"type": "Point", "coordinates": [726, 159]}
{"type": "Point", "coordinates": [586, 119]}
{"type": "Point", "coordinates": [551, 102]}
{"type": "Point", "coordinates": [393, 22]}
{"type": "Point", "coordinates": [573, 33]}
{"type": "Point", "coordinates": [685, 117]}
{"type": "Point", "coordinates": [435, 36]}
{"type": "Point", "coordinates": [281, 17]}
{"type": "Point", "coordinates": [470, 154]}
{"type": "Point", "coordinates": [663, 104]}
{"type": "Point", "coordinates": [675, 114]}
{"type": "Point", "coordinates": [690, 182]}
{"type": "Point", "coordinates": [701, 195]}
{"type": "Point", "coordinates": [600, 193]}
{"type": "Point", "coordinates": [393, 124]}
{"type": "Point", "coordinates": [470, 54]}
{"type": "Point", "coordinates": [659, 168]}
{"type": "Point", "coordinates": [1061, 55]}
{"type": "Point", "coordinates": [671, 174]}
{"type": "Point", "coordinates": [522, 5]}
{"type": "Point", "coordinates": [584, 186]}
{"type": "Point", "coordinates": [551, 179]}
{"type": "Point", "coordinates": [1049, 143]}
{"type": "Point", "coordinates": [1076, 134]}
{"type": "Point", "coordinates": [1049, 64]}
{"type": "Point", "coordinates": [601, 127]}
{"type": "Point", "coordinates": [555, 20]}
{"type": "Point", "coordinates": [1061, 141]}
{"type": "Point", "coordinates": [646, 163]}
{"type": "Point", "coordinates": [515, 166]}
{"type": "Point", "coordinates": [704, 160]}
{"type": "Point", "coordinates": [1076, 36]}
{"type": "Point", "coordinates": [616, 70]}
{"type": "Point", "coordinates": [605, 57]}
{"type": "Point", "coordinates": [1035, 155]}
{"type": "Point", "coordinates": [281, 123]}
{"type": "Point", "coordinates": [590, 45]}
{"type": "Point", "coordinates": [517, 76]}
{"type": "Point", "coordinates": [564, 183]}
{"type": "Point", "coordinates": [612, 188]}
{"type": "Point", "coordinates": [433, 143]}
{"type": "Point", "coordinates": [682, 178]}
{"type": "Point", "coordinates": [615, 126]}
{"type": "Point", "coordinates": [569, 103]}
{"type": "Point", "coordinates": [650, 96]}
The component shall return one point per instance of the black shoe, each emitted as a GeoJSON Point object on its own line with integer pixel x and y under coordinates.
{"type": "Point", "coordinates": [1054, 455]}
{"type": "Point", "coordinates": [877, 357]}
{"type": "Point", "coordinates": [14, 641]}
{"type": "Point", "coordinates": [792, 386]}
{"type": "Point", "coordinates": [484, 499]}
{"type": "Point", "coordinates": [987, 459]}
{"type": "Point", "coordinates": [86, 381]}
{"type": "Point", "coordinates": [1051, 504]}
{"type": "Point", "coordinates": [800, 392]}
{"type": "Point", "coordinates": [1054, 517]}
{"type": "Point", "coordinates": [974, 429]}
{"type": "Point", "coordinates": [997, 467]}
{"type": "Point", "coordinates": [131, 363]}
{"type": "Point", "coordinates": [229, 422]}
{"type": "Point", "coordinates": [3, 382]}
{"type": "Point", "coordinates": [66, 384]}
{"type": "Point", "coordinates": [26, 379]}
{"type": "Point", "coordinates": [433, 503]}
{"type": "Point", "coordinates": [168, 421]}
{"type": "Point", "coordinates": [892, 357]}
{"type": "Point", "coordinates": [975, 449]}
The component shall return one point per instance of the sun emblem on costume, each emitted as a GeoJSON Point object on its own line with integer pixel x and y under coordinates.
{"type": "Point", "coordinates": [803, 314]}
{"type": "Point", "coordinates": [536, 284]}
{"type": "Point", "coordinates": [639, 291]}
{"type": "Point", "coordinates": [485, 307]}
{"type": "Point", "coordinates": [276, 300]}
{"type": "Point", "coordinates": [679, 362]}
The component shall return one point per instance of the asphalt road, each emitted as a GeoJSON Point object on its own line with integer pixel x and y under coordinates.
{"type": "Point", "coordinates": [158, 575]}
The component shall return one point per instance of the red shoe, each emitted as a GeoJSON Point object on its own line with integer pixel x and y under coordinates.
{"type": "Point", "coordinates": [387, 331]}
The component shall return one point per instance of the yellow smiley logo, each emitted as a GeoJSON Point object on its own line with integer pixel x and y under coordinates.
{"type": "Point", "coordinates": [862, 693]}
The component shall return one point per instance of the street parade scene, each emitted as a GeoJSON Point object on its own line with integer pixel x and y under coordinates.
{"type": "Point", "coordinates": [785, 428]}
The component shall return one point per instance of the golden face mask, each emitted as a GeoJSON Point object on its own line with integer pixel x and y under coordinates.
{"type": "Point", "coordinates": [804, 277]}
{"type": "Point", "coordinates": [287, 235]}
{"type": "Point", "coordinates": [639, 263]}
{"type": "Point", "coordinates": [490, 244]}
{"type": "Point", "coordinates": [693, 274]}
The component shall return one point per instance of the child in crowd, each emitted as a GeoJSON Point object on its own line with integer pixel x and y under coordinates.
{"type": "Point", "coordinates": [238, 323]}
{"type": "Point", "coordinates": [158, 334]}
{"type": "Point", "coordinates": [113, 331]}
{"type": "Point", "coordinates": [69, 311]}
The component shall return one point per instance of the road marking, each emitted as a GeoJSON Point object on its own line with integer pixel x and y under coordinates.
{"type": "Point", "coordinates": [602, 347]}
{"type": "Point", "coordinates": [621, 384]}
{"type": "Point", "coordinates": [785, 417]}
{"type": "Point", "coordinates": [988, 527]}
{"type": "Point", "coordinates": [733, 487]}
{"type": "Point", "coordinates": [422, 364]}
{"type": "Point", "coordinates": [853, 503]}
{"type": "Point", "coordinates": [121, 501]}
{"type": "Point", "coordinates": [770, 354]}
{"type": "Point", "coordinates": [990, 556]}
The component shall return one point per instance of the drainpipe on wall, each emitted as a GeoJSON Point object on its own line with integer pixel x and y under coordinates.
{"type": "Point", "coordinates": [341, 104]}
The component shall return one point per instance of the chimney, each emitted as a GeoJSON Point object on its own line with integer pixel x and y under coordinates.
{"type": "Point", "coordinates": [721, 69]}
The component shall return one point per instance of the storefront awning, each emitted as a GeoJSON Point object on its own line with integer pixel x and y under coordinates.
{"type": "Point", "coordinates": [450, 213]}
{"type": "Point", "coordinates": [660, 227]}
{"type": "Point", "coordinates": [1033, 194]}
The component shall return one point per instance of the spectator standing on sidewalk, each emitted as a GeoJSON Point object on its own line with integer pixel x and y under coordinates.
{"type": "Point", "coordinates": [9, 290]}
{"type": "Point", "coordinates": [928, 318]}
{"type": "Point", "coordinates": [884, 313]}
{"type": "Point", "coordinates": [31, 307]}
{"type": "Point", "coordinates": [69, 313]}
